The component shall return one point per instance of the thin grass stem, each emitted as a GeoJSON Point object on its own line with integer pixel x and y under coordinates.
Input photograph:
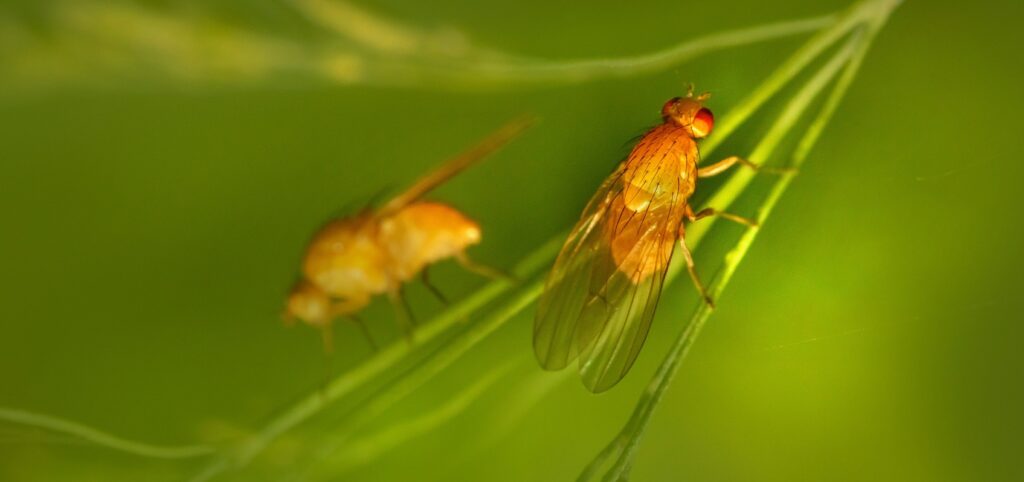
{"type": "Point", "coordinates": [585, 70]}
{"type": "Point", "coordinates": [101, 438]}
{"type": "Point", "coordinates": [364, 449]}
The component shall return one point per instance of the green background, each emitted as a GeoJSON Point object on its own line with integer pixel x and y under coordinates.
{"type": "Point", "coordinates": [150, 230]}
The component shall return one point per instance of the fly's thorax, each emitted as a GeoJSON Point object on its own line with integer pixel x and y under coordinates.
{"type": "Point", "coordinates": [346, 260]}
{"type": "Point", "coordinates": [664, 160]}
{"type": "Point", "coordinates": [688, 173]}
{"type": "Point", "coordinates": [423, 233]}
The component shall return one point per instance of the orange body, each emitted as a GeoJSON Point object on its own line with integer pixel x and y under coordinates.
{"type": "Point", "coordinates": [352, 259]}
{"type": "Point", "coordinates": [653, 200]}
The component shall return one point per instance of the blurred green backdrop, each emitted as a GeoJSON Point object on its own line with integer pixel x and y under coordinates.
{"type": "Point", "coordinates": [151, 228]}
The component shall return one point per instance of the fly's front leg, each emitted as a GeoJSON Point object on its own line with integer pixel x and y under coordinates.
{"type": "Point", "coordinates": [482, 269]}
{"type": "Point", "coordinates": [327, 333]}
{"type": "Point", "coordinates": [703, 213]}
{"type": "Point", "coordinates": [344, 308]}
{"type": "Point", "coordinates": [720, 167]}
{"type": "Point", "coordinates": [692, 269]}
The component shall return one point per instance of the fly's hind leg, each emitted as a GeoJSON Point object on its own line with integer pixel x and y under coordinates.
{"type": "Point", "coordinates": [482, 269]}
{"type": "Point", "coordinates": [719, 167]}
{"type": "Point", "coordinates": [692, 269]}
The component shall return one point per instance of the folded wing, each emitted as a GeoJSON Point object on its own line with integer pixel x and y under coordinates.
{"type": "Point", "coordinates": [601, 295]}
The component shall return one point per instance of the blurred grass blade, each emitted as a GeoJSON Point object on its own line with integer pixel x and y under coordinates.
{"type": "Point", "coordinates": [364, 450]}
{"type": "Point", "coordinates": [102, 43]}
{"type": "Point", "coordinates": [442, 357]}
{"type": "Point", "coordinates": [98, 437]}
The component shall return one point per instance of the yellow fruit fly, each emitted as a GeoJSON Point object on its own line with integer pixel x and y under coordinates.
{"type": "Point", "coordinates": [600, 297]}
{"type": "Point", "coordinates": [373, 252]}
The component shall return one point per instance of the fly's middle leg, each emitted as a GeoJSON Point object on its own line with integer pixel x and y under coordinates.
{"type": "Point", "coordinates": [405, 318]}
{"type": "Point", "coordinates": [365, 330]}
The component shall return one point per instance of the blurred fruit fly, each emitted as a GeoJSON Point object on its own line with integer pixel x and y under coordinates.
{"type": "Point", "coordinates": [373, 252]}
{"type": "Point", "coordinates": [600, 297]}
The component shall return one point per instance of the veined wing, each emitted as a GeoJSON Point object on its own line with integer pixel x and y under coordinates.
{"type": "Point", "coordinates": [601, 295]}
{"type": "Point", "coordinates": [449, 169]}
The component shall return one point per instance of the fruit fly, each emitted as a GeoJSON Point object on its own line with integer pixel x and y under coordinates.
{"type": "Point", "coordinates": [600, 297]}
{"type": "Point", "coordinates": [352, 259]}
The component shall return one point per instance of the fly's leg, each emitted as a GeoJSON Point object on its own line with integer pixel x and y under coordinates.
{"type": "Point", "coordinates": [720, 167]}
{"type": "Point", "coordinates": [339, 308]}
{"type": "Point", "coordinates": [425, 276]}
{"type": "Point", "coordinates": [405, 318]}
{"type": "Point", "coordinates": [703, 213]}
{"type": "Point", "coordinates": [327, 332]}
{"type": "Point", "coordinates": [482, 269]}
{"type": "Point", "coordinates": [366, 331]}
{"type": "Point", "coordinates": [692, 269]}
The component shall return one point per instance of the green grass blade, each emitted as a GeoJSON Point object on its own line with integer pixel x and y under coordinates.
{"type": "Point", "coordinates": [364, 450]}
{"type": "Point", "coordinates": [577, 71]}
{"type": "Point", "coordinates": [101, 438]}
{"type": "Point", "coordinates": [361, 47]}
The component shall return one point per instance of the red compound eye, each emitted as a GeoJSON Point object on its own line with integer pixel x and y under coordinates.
{"type": "Point", "coordinates": [703, 122]}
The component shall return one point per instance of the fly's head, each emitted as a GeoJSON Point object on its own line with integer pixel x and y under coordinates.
{"type": "Point", "coordinates": [308, 304]}
{"type": "Point", "coordinates": [689, 113]}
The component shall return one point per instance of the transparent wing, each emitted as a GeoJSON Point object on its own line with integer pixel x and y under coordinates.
{"type": "Point", "coordinates": [584, 256]}
{"type": "Point", "coordinates": [601, 295]}
{"type": "Point", "coordinates": [449, 169]}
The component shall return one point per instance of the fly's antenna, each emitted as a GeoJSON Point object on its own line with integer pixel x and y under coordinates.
{"type": "Point", "coordinates": [446, 171]}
